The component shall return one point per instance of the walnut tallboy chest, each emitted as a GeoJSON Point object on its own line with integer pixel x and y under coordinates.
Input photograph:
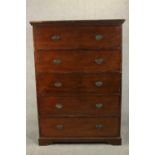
{"type": "Point", "coordinates": [78, 80]}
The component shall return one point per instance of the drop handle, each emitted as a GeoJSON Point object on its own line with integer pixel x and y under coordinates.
{"type": "Point", "coordinates": [60, 126]}
{"type": "Point", "coordinates": [99, 126]}
{"type": "Point", "coordinates": [56, 61]}
{"type": "Point", "coordinates": [99, 37]}
{"type": "Point", "coordinates": [99, 61]}
{"type": "Point", "coordinates": [58, 84]}
{"type": "Point", "coordinates": [99, 83]}
{"type": "Point", "coordinates": [59, 106]}
{"type": "Point", "coordinates": [55, 37]}
{"type": "Point", "coordinates": [99, 105]}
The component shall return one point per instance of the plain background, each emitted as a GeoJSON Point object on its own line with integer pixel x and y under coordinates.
{"type": "Point", "coordinates": [13, 82]}
{"type": "Point", "coordinates": [40, 10]}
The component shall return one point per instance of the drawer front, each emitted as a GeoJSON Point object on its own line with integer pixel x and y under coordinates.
{"type": "Point", "coordinates": [79, 127]}
{"type": "Point", "coordinates": [68, 37]}
{"type": "Point", "coordinates": [80, 105]}
{"type": "Point", "coordinates": [78, 61]}
{"type": "Point", "coordinates": [78, 83]}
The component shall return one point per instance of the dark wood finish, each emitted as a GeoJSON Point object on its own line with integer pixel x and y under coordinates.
{"type": "Point", "coordinates": [107, 22]}
{"type": "Point", "coordinates": [78, 81]}
{"type": "Point", "coordinates": [78, 61]}
{"type": "Point", "coordinates": [105, 140]}
{"type": "Point", "coordinates": [98, 105]}
{"type": "Point", "coordinates": [79, 127]}
{"type": "Point", "coordinates": [77, 37]}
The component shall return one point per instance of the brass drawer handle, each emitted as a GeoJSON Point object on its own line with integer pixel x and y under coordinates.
{"type": "Point", "coordinates": [59, 106]}
{"type": "Point", "coordinates": [99, 105]}
{"type": "Point", "coordinates": [58, 84]}
{"type": "Point", "coordinates": [99, 37]}
{"type": "Point", "coordinates": [99, 61]}
{"type": "Point", "coordinates": [60, 126]}
{"type": "Point", "coordinates": [56, 37]}
{"type": "Point", "coordinates": [98, 83]}
{"type": "Point", "coordinates": [57, 61]}
{"type": "Point", "coordinates": [99, 126]}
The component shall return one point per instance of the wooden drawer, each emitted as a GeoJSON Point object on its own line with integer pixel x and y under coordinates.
{"type": "Point", "coordinates": [78, 61]}
{"type": "Point", "coordinates": [72, 37]}
{"type": "Point", "coordinates": [80, 105]}
{"type": "Point", "coordinates": [78, 83]}
{"type": "Point", "coordinates": [79, 127]}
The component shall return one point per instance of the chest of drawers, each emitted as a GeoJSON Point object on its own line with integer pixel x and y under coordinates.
{"type": "Point", "coordinates": [78, 80]}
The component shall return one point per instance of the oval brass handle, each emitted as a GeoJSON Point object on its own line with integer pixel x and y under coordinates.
{"type": "Point", "coordinates": [99, 61]}
{"type": "Point", "coordinates": [99, 126]}
{"type": "Point", "coordinates": [99, 105]}
{"type": "Point", "coordinates": [59, 106]}
{"type": "Point", "coordinates": [56, 37]}
{"type": "Point", "coordinates": [98, 37]}
{"type": "Point", "coordinates": [58, 84]}
{"type": "Point", "coordinates": [60, 126]}
{"type": "Point", "coordinates": [98, 83]}
{"type": "Point", "coordinates": [56, 61]}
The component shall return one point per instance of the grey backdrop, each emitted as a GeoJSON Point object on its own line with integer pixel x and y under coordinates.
{"type": "Point", "coordinates": [74, 10]}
